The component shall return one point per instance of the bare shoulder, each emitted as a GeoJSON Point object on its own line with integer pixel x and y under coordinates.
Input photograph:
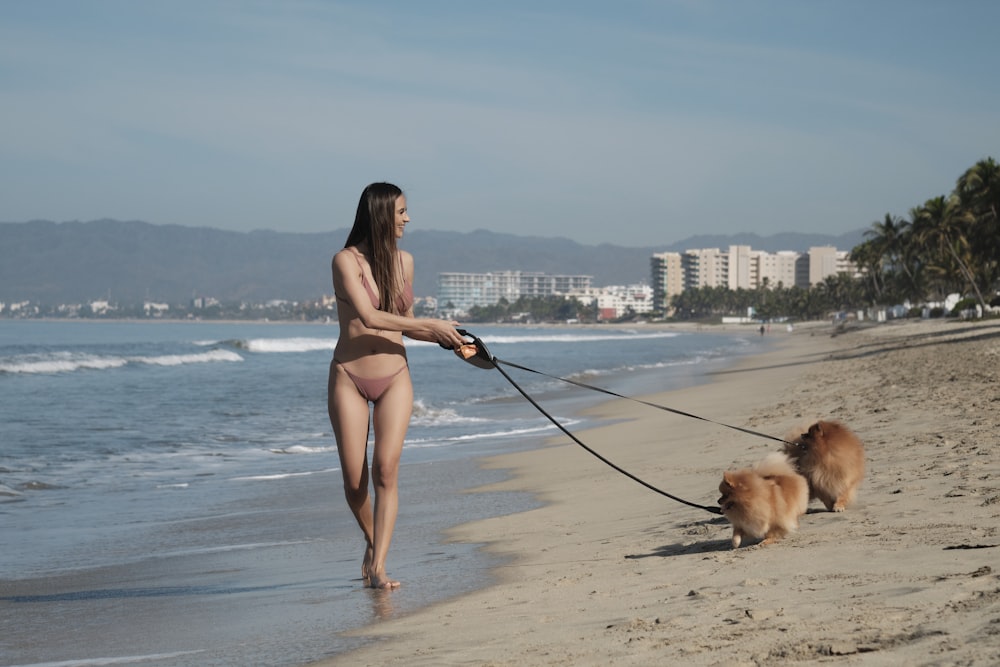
{"type": "Point", "coordinates": [341, 256]}
{"type": "Point", "coordinates": [407, 260]}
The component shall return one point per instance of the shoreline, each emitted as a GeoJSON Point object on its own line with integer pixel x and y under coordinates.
{"type": "Point", "coordinates": [605, 571]}
{"type": "Point", "coordinates": [265, 571]}
{"type": "Point", "coordinates": [679, 326]}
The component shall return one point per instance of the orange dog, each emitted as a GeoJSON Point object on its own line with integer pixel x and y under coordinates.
{"type": "Point", "coordinates": [765, 501]}
{"type": "Point", "coordinates": [832, 459]}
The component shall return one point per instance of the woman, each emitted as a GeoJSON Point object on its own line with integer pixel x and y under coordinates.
{"type": "Point", "coordinates": [373, 284]}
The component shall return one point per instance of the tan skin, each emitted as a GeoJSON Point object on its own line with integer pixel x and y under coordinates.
{"type": "Point", "coordinates": [370, 346]}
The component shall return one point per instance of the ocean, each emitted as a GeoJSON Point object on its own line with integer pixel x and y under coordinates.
{"type": "Point", "coordinates": [170, 491]}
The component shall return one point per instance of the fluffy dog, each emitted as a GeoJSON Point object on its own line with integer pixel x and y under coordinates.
{"type": "Point", "coordinates": [764, 501]}
{"type": "Point", "coordinates": [832, 459]}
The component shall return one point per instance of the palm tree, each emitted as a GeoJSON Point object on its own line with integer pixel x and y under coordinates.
{"type": "Point", "coordinates": [890, 240]}
{"type": "Point", "coordinates": [869, 258]}
{"type": "Point", "coordinates": [944, 230]}
{"type": "Point", "coordinates": [978, 190]}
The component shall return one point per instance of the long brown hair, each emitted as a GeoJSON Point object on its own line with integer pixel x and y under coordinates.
{"type": "Point", "coordinates": [375, 224]}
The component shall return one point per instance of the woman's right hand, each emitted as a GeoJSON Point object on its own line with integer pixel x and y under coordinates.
{"type": "Point", "coordinates": [446, 334]}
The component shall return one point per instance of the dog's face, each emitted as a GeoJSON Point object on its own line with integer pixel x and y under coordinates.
{"type": "Point", "coordinates": [727, 488]}
{"type": "Point", "coordinates": [815, 431]}
{"type": "Point", "coordinates": [808, 439]}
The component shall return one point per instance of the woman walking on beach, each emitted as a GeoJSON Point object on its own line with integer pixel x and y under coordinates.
{"type": "Point", "coordinates": [373, 285]}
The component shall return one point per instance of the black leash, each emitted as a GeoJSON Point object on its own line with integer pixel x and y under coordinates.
{"type": "Point", "coordinates": [483, 359]}
{"type": "Point", "coordinates": [637, 400]}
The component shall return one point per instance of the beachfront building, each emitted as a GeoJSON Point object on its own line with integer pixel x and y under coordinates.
{"type": "Point", "coordinates": [617, 301]}
{"type": "Point", "coordinates": [741, 267]}
{"type": "Point", "coordinates": [155, 308]}
{"type": "Point", "coordinates": [667, 277]}
{"type": "Point", "coordinates": [458, 292]}
{"type": "Point", "coordinates": [785, 268]}
{"type": "Point", "coordinates": [706, 267]}
{"type": "Point", "coordinates": [828, 261]}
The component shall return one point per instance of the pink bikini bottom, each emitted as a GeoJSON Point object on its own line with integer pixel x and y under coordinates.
{"type": "Point", "coordinates": [371, 388]}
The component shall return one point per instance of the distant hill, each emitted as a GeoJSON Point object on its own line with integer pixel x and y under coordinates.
{"type": "Point", "coordinates": [68, 262]}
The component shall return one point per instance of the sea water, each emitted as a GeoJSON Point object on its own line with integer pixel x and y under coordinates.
{"type": "Point", "coordinates": [170, 491]}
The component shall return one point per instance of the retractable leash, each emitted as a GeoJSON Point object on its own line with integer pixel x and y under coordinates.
{"type": "Point", "coordinates": [483, 359]}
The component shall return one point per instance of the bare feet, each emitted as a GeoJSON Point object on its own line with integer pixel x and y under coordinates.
{"type": "Point", "coordinates": [382, 581]}
{"type": "Point", "coordinates": [366, 564]}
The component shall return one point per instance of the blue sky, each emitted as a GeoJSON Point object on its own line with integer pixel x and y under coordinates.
{"type": "Point", "coordinates": [630, 122]}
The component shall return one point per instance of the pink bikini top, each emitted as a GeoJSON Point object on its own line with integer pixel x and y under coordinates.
{"type": "Point", "coordinates": [403, 301]}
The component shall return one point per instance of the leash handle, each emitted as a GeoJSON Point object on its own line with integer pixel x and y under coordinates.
{"type": "Point", "coordinates": [482, 358]}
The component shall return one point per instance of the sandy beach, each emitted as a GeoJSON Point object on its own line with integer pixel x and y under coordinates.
{"type": "Point", "coordinates": [608, 572]}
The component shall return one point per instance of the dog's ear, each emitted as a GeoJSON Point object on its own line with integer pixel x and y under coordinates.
{"type": "Point", "coordinates": [727, 479]}
{"type": "Point", "coordinates": [816, 429]}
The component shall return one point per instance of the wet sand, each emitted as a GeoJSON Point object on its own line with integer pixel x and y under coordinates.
{"type": "Point", "coordinates": [270, 580]}
{"type": "Point", "coordinates": [608, 572]}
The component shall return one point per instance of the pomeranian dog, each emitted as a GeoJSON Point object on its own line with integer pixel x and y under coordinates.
{"type": "Point", "coordinates": [764, 501]}
{"type": "Point", "coordinates": [832, 459]}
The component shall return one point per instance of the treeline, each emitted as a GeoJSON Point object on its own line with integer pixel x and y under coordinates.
{"type": "Point", "coordinates": [535, 309]}
{"type": "Point", "coordinates": [950, 243]}
{"type": "Point", "coordinates": [834, 294]}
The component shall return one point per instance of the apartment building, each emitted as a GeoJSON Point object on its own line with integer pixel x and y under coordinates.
{"type": "Point", "coordinates": [785, 268]}
{"type": "Point", "coordinates": [458, 292]}
{"type": "Point", "coordinates": [616, 301]}
{"type": "Point", "coordinates": [828, 261]}
{"type": "Point", "coordinates": [742, 267]}
{"type": "Point", "coordinates": [667, 277]}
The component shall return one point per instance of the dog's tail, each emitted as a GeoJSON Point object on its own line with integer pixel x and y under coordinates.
{"type": "Point", "coordinates": [775, 464]}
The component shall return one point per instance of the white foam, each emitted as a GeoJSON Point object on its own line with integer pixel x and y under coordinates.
{"type": "Point", "coordinates": [472, 437]}
{"type": "Point", "coordinates": [302, 449]}
{"type": "Point", "coordinates": [58, 362]}
{"type": "Point", "coordinates": [283, 475]}
{"type": "Point", "coordinates": [68, 362]}
{"type": "Point", "coordinates": [578, 338]}
{"type": "Point", "coordinates": [623, 336]}
{"type": "Point", "coordinates": [427, 416]}
{"type": "Point", "coordinates": [118, 660]}
{"type": "Point", "coordinates": [181, 359]}
{"type": "Point", "coordinates": [288, 344]}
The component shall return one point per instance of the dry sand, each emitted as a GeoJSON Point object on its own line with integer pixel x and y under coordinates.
{"type": "Point", "coordinates": [608, 572]}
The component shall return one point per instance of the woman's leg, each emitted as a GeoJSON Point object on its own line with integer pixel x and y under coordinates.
{"type": "Point", "coordinates": [391, 419]}
{"type": "Point", "coordinates": [349, 417]}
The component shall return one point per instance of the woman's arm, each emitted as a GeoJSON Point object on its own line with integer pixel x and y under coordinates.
{"type": "Point", "coordinates": [408, 273]}
{"type": "Point", "coordinates": [348, 286]}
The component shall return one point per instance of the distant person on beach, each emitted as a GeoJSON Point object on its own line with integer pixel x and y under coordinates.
{"type": "Point", "coordinates": [373, 285]}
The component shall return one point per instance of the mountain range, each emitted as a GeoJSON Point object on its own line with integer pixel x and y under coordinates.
{"type": "Point", "coordinates": [71, 262]}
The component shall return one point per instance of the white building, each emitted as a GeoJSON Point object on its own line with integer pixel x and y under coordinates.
{"type": "Point", "coordinates": [706, 267]}
{"type": "Point", "coordinates": [101, 307]}
{"type": "Point", "coordinates": [828, 261]}
{"type": "Point", "coordinates": [617, 301]}
{"type": "Point", "coordinates": [781, 268]}
{"type": "Point", "coordinates": [667, 276]}
{"type": "Point", "coordinates": [154, 309]}
{"type": "Point", "coordinates": [741, 267]}
{"type": "Point", "coordinates": [458, 292]}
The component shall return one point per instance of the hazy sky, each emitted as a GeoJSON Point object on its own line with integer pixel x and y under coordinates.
{"type": "Point", "coordinates": [630, 122]}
